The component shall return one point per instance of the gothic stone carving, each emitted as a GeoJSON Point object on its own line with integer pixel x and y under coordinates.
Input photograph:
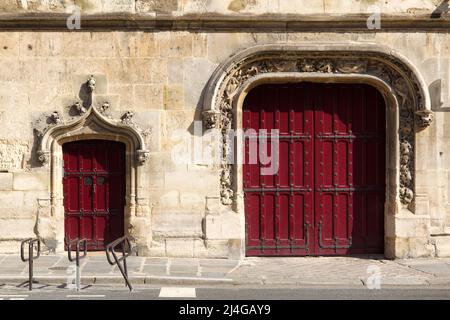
{"type": "Point", "coordinates": [44, 156]}
{"type": "Point", "coordinates": [210, 118]}
{"type": "Point", "coordinates": [424, 118]}
{"type": "Point", "coordinates": [143, 156]}
{"type": "Point", "coordinates": [104, 107]}
{"type": "Point", "coordinates": [385, 67]}
{"type": "Point", "coordinates": [91, 83]}
{"type": "Point", "coordinates": [127, 118]}
{"type": "Point", "coordinates": [55, 118]}
{"type": "Point", "coordinates": [79, 107]}
{"type": "Point", "coordinates": [95, 120]}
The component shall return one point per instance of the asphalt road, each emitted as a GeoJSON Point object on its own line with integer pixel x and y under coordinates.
{"type": "Point", "coordinates": [222, 293]}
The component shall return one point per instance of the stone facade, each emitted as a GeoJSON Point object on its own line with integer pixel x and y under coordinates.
{"type": "Point", "coordinates": [154, 81]}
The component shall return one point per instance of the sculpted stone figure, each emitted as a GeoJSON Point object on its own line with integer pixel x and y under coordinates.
{"type": "Point", "coordinates": [424, 118]}
{"type": "Point", "coordinates": [91, 83]}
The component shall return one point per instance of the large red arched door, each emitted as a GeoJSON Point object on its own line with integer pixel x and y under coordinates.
{"type": "Point", "coordinates": [327, 197]}
{"type": "Point", "coordinates": [94, 191]}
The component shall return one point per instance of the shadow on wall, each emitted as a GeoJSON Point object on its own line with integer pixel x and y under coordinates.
{"type": "Point", "coordinates": [86, 102]}
{"type": "Point", "coordinates": [198, 113]}
{"type": "Point", "coordinates": [435, 89]}
{"type": "Point", "coordinates": [440, 10]}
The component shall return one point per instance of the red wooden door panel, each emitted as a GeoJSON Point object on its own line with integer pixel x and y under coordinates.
{"type": "Point", "coordinates": [327, 198]}
{"type": "Point", "coordinates": [94, 191]}
{"type": "Point", "coordinates": [279, 208]}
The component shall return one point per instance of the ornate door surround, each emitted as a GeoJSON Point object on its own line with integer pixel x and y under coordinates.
{"type": "Point", "coordinates": [400, 83]}
{"type": "Point", "coordinates": [93, 122]}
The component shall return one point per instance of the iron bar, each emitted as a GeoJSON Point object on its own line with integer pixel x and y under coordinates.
{"type": "Point", "coordinates": [335, 245]}
{"type": "Point", "coordinates": [77, 258]}
{"type": "Point", "coordinates": [126, 252]}
{"type": "Point", "coordinates": [31, 257]}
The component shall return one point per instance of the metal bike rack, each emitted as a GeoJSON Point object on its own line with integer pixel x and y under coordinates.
{"type": "Point", "coordinates": [31, 257]}
{"type": "Point", "coordinates": [77, 257]}
{"type": "Point", "coordinates": [126, 252]}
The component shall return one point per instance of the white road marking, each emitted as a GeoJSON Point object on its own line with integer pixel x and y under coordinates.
{"type": "Point", "coordinates": [170, 292]}
{"type": "Point", "coordinates": [17, 299]}
{"type": "Point", "coordinates": [85, 296]}
{"type": "Point", "coordinates": [14, 296]}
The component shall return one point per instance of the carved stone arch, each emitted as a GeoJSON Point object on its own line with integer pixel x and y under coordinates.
{"type": "Point", "coordinates": [92, 124]}
{"type": "Point", "coordinates": [392, 74]}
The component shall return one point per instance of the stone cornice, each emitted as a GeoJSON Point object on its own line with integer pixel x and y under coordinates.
{"type": "Point", "coordinates": [268, 22]}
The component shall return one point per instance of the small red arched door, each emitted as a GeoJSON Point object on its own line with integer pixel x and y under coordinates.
{"type": "Point", "coordinates": [327, 196]}
{"type": "Point", "coordinates": [94, 191]}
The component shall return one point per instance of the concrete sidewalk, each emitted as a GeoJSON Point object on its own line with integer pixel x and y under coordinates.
{"type": "Point", "coordinates": [297, 271]}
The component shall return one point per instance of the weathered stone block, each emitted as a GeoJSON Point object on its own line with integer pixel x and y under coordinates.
{"type": "Point", "coordinates": [11, 199]}
{"type": "Point", "coordinates": [157, 249]}
{"type": "Point", "coordinates": [148, 96]}
{"type": "Point", "coordinates": [146, 46]}
{"type": "Point", "coordinates": [16, 228]}
{"type": "Point", "coordinates": [193, 86]}
{"type": "Point", "coordinates": [173, 97]}
{"type": "Point", "coordinates": [410, 225]}
{"type": "Point", "coordinates": [182, 248]}
{"type": "Point", "coordinates": [6, 181]}
{"type": "Point", "coordinates": [405, 248]}
{"type": "Point", "coordinates": [174, 180]}
{"type": "Point", "coordinates": [177, 224]}
{"type": "Point", "coordinates": [9, 44]}
{"type": "Point", "coordinates": [170, 199]}
{"type": "Point", "coordinates": [217, 248]}
{"type": "Point", "coordinates": [175, 44]}
{"type": "Point", "coordinates": [163, 162]}
{"type": "Point", "coordinates": [9, 246]}
{"type": "Point", "coordinates": [200, 45]}
{"type": "Point", "coordinates": [30, 181]}
{"type": "Point", "coordinates": [165, 6]}
{"type": "Point", "coordinates": [10, 5]}
{"type": "Point", "coordinates": [118, 6]}
{"type": "Point", "coordinates": [175, 70]}
{"type": "Point", "coordinates": [224, 226]}
{"type": "Point", "coordinates": [442, 244]}
{"type": "Point", "coordinates": [236, 248]}
{"type": "Point", "coordinates": [192, 200]}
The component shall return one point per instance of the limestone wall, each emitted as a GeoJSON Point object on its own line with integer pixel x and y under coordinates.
{"type": "Point", "coordinates": [161, 76]}
{"type": "Point", "coordinates": [224, 6]}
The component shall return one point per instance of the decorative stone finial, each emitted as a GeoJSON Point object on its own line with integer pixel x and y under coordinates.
{"type": "Point", "coordinates": [91, 83]}
{"type": "Point", "coordinates": [127, 118]}
{"type": "Point", "coordinates": [79, 107]}
{"type": "Point", "coordinates": [105, 106]}
{"type": "Point", "coordinates": [55, 117]}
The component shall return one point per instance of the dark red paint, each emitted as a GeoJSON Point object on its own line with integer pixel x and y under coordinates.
{"type": "Point", "coordinates": [328, 195]}
{"type": "Point", "coordinates": [94, 191]}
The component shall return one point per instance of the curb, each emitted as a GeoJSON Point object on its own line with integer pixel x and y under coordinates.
{"type": "Point", "coordinates": [194, 281]}
{"type": "Point", "coordinates": [138, 280]}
